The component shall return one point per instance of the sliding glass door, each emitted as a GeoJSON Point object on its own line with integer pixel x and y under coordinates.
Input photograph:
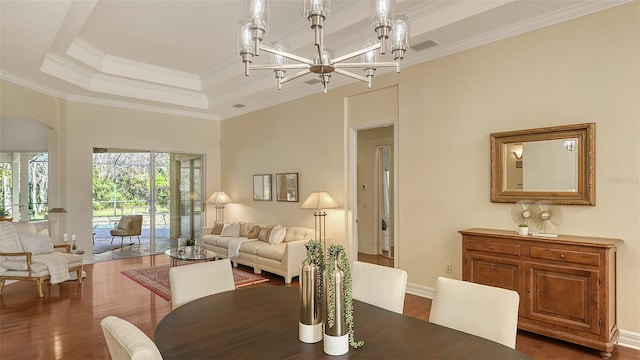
{"type": "Point", "coordinates": [165, 188]}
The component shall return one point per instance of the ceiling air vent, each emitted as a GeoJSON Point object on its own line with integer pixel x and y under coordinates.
{"type": "Point", "coordinates": [239, 106]}
{"type": "Point", "coordinates": [423, 45]}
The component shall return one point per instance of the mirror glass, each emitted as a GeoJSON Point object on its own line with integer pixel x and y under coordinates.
{"type": "Point", "coordinates": [287, 187]}
{"type": "Point", "coordinates": [262, 187]}
{"type": "Point", "coordinates": [555, 163]}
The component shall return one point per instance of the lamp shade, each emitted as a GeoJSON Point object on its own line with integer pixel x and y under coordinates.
{"type": "Point", "coordinates": [219, 197]}
{"type": "Point", "coordinates": [320, 200]}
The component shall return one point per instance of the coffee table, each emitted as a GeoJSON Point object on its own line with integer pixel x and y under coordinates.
{"type": "Point", "coordinates": [189, 256]}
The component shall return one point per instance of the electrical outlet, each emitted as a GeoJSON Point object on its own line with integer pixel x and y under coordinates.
{"type": "Point", "coordinates": [447, 267]}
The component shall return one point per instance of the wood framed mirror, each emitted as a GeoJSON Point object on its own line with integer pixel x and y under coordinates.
{"type": "Point", "coordinates": [554, 163]}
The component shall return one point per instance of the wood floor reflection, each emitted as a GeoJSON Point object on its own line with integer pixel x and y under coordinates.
{"type": "Point", "coordinates": [65, 324]}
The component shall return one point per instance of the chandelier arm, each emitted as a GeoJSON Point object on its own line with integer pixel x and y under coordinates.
{"type": "Point", "coordinates": [351, 75]}
{"type": "Point", "coordinates": [365, 65]}
{"type": "Point", "coordinates": [353, 54]}
{"type": "Point", "coordinates": [286, 54]}
{"type": "Point", "coordinates": [294, 76]}
{"type": "Point", "coordinates": [277, 67]}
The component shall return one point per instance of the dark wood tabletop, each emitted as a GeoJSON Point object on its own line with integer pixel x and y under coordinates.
{"type": "Point", "coordinates": [262, 323]}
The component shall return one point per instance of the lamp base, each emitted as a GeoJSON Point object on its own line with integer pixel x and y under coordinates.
{"type": "Point", "coordinates": [310, 334]}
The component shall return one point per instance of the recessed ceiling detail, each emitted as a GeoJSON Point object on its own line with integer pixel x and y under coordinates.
{"type": "Point", "coordinates": [181, 57]}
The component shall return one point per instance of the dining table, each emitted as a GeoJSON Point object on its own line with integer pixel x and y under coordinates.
{"type": "Point", "coordinates": [262, 323]}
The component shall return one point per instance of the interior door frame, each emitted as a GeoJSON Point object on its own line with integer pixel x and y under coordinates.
{"type": "Point", "coordinates": [352, 186]}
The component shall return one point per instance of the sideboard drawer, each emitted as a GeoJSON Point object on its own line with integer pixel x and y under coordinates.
{"type": "Point", "coordinates": [578, 257]}
{"type": "Point", "coordinates": [493, 247]}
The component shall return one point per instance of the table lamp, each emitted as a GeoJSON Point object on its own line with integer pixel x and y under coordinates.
{"type": "Point", "coordinates": [219, 198]}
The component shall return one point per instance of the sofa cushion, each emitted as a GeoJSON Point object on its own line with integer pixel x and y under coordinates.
{"type": "Point", "coordinates": [251, 247]}
{"type": "Point", "coordinates": [254, 232]}
{"type": "Point", "coordinates": [231, 230]}
{"type": "Point", "coordinates": [274, 252]}
{"type": "Point", "coordinates": [277, 234]}
{"type": "Point", "coordinates": [36, 244]}
{"type": "Point", "coordinates": [245, 228]}
{"type": "Point", "coordinates": [210, 239]}
{"type": "Point", "coordinates": [223, 241]}
{"type": "Point", "coordinates": [217, 228]}
{"type": "Point", "coordinates": [295, 233]}
{"type": "Point", "coordinates": [264, 233]}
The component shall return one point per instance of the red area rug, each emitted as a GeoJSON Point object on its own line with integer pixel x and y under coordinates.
{"type": "Point", "coordinates": [156, 279]}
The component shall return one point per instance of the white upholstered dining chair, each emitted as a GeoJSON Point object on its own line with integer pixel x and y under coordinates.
{"type": "Point", "coordinates": [126, 341]}
{"type": "Point", "coordinates": [481, 310]}
{"type": "Point", "coordinates": [190, 282]}
{"type": "Point", "coordinates": [378, 285]}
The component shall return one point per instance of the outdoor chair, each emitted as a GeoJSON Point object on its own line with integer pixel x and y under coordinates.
{"type": "Point", "coordinates": [129, 225]}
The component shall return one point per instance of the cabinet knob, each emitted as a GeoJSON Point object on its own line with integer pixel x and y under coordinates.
{"type": "Point", "coordinates": [562, 256]}
{"type": "Point", "coordinates": [528, 290]}
{"type": "Point", "coordinates": [490, 247]}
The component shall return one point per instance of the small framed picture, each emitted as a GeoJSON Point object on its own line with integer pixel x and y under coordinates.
{"type": "Point", "coordinates": [262, 187]}
{"type": "Point", "coordinates": [287, 187]}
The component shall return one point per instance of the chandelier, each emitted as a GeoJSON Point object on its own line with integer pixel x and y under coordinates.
{"type": "Point", "coordinates": [392, 33]}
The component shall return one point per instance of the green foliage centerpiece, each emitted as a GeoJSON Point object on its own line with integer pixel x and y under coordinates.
{"type": "Point", "coordinates": [339, 330]}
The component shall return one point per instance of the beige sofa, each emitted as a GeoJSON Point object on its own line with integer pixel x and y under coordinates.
{"type": "Point", "coordinates": [282, 256]}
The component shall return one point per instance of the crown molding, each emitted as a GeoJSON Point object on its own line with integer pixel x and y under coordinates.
{"type": "Point", "coordinates": [64, 69]}
{"type": "Point", "coordinates": [117, 66]}
{"type": "Point", "coordinates": [103, 102]}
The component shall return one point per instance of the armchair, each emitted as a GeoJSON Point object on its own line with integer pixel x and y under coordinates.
{"type": "Point", "coordinates": [129, 225]}
{"type": "Point", "coordinates": [33, 257]}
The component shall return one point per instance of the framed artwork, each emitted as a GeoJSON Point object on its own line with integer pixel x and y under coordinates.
{"type": "Point", "coordinates": [287, 187]}
{"type": "Point", "coordinates": [262, 187]}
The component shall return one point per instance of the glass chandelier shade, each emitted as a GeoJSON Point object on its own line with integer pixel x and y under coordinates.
{"type": "Point", "coordinates": [386, 24]}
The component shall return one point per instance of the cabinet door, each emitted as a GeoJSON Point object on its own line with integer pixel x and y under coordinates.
{"type": "Point", "coordinates": [493, 271]}
{"type": "Point", "coordinates": [563, 295]}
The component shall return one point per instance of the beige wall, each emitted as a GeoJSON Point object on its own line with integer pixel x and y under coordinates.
{"type": "Point", "coordinates": [583, 70]}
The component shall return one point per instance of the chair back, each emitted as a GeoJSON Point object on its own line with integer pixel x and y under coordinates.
{"type": "Point", "coordinates": [380, 286]}
{"type": "Point", "coordinates": [126, 341]}
{"type": "Point", "coordinates": [136, 225]}
{"type": "Point", "coordinates": [190, 282]}
{"type": "Point", "coordinates": [481, 310]}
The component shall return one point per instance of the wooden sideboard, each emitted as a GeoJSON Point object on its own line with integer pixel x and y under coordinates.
{"type": "Point", "coordinates": [567, 284]}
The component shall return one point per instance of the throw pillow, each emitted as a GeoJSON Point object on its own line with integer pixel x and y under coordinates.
{"type": "Point", "coordinates": [217, 228]}
{"type": "Point", "coordinates": [277, 234]}
{"type": "Point", "coordinates": [264, 233]}
{"type": "Point", "coordinates": [36, 244]}
{"type": "Point", "coordinates": [254, 232]}
{"type": "Point", "coordinates": [245, 228]}
{"type": "Point", "coordinates": [231, 230]}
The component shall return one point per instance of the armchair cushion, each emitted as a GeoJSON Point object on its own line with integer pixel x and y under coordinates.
{"type": "Point", "coordinates": [125, 222]}
{"type": "Point", "coordinates": [36, 244]}
{"type": "Point", "coordinates": [9, 241]}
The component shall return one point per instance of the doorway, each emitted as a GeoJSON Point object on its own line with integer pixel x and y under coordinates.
{"type": "Point", "coordinates": [375, 195]}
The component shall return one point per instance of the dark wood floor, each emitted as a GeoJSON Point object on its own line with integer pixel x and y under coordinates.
{"type": "Point", "coordinates": [65, 324]}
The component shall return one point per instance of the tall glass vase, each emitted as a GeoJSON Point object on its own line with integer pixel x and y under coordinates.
{"type": "Point", "coordinates": [310, 325]}
{"type": "Point", "coordinates": [336, 335]}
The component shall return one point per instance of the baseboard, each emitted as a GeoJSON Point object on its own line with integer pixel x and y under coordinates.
{"type": "Point", "coordinates": [628, 339]}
